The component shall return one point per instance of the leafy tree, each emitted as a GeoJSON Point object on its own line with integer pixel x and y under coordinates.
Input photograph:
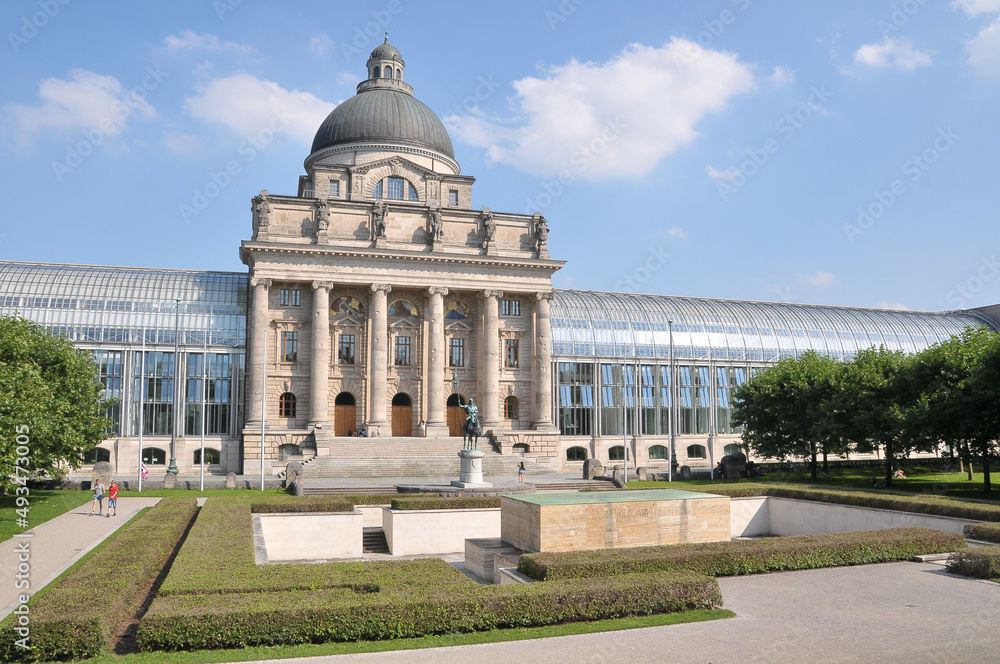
{"type": "Point", "coordinates": [983, 387]}
{"type": "Point", "coordinates": [50, 393]}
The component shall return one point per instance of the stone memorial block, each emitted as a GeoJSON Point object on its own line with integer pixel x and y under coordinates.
{"type": "Point", "coordinates": [104, 472]}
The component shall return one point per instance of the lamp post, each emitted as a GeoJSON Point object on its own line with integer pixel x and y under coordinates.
{"type": "Point", "coordinates": [172, 468]}
{"type": "Point", "coordinates": [671, 453]}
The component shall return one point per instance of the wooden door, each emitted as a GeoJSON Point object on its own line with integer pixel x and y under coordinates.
{"type": "Point", "coordinates": [456, 418]}
{"type": "Point", "coordinates": [402, 420]}
{"type": "Point", "coordinates": [344, 419]}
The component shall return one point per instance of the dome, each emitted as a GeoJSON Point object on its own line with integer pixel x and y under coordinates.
{"type": "Point", "coordinates": [386, 51]}
{"type": "Point", "coordinates": [381, 113]}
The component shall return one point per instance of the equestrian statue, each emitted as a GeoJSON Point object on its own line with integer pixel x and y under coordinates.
{"type": "Point", "coordinates": [472, 428]}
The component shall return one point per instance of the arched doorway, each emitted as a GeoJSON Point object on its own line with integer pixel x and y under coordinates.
{"type": "Point", "coordinates": [456, 416]}
{"type": "Point", "coordinates": [402, 415]}
{"type": "Point", "coordinates": [344, 414]}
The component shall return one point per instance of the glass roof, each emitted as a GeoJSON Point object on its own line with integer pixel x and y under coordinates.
{"type": "Point", "coordinates": [617, 325]}
{"type": "Point", "coordinates": [116, 304]}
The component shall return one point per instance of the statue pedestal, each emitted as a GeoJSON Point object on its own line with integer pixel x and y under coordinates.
{"type": "Point", "coordinates": [471, 476]}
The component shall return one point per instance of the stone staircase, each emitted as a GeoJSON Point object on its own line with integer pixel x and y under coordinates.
{"type": "Point", "coordinates": [410, 457]}
{"type": "Point", "coordinates": [373, 540]}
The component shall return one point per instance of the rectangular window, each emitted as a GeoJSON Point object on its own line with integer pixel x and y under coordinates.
{"type": "Point", "coordinates": [345, 349]}
{"type": "Point", "coordinates": [456, 352]}
{"type": "Point", "coordinates": [510, 354]}
{"type": "Point", "coordinates": [402, 351]}
{"type": "Point", "coordinates": [296, 299]}
{"type": "Point", "coordinates": [395, 189]}
{"type": "Point", "coordinates": [156, 388]}
{"type": "Point", "coordinates": [510, 308]}
{"type": "Point", "coordinates": [289, 346]}
{"type": "Point", "coordinates": [576, 398]}
{"type": "Point", "coordinates": [334, 189]}
{"type": "Point", "coordinates": [453, 197]}
{"type": "Point", "coordinates": [283, 297]}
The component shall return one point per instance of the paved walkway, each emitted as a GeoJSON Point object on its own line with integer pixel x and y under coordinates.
{"type": "Point", "coordinates": [55, 545]}
{"type": "Point", "coordinates": [912, 613]}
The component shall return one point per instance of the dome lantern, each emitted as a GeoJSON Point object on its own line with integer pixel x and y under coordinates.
{"type": "Point", "coordinates": [385, 62]}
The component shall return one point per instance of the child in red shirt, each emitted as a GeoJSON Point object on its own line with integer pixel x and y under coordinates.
{"type": "Point", "coordinates": [113, 499]}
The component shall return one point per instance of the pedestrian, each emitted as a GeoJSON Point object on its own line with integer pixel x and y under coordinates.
{"type": "Point", "coordinates": [143, 471]}
{"type": "Point", "coordinates": [113, 499]}
{"type": "Point", "coordinates": [520, 471]}
{"type": "Point", "coordinates": [98, 498]}
{"type": "Point", "coordinates": [423, 429]}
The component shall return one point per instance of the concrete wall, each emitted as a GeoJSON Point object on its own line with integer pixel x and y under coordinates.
{"type": "Point", "coordinates": [752, 517]}
{"type": "Point", "coordinates": [316, 536]}
{"type": "Point", "coordinates": [411, 532]}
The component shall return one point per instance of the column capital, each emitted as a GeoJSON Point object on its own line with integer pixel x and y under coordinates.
{"type": "Point", "coordinates": [381, 287]}
{"type": "Point", "coordinates": [261, 281]}
{"type": "Point", "coordinates": [492, 293]}
{"type": "Point", "coordinates": [437, 290]}
{"type": "Point", "coordinates": [543, 296]}
{"type": "Point", "coordinates": [328, 285]}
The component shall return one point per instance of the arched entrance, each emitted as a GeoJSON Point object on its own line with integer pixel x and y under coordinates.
{"type": "Point", "coordinates": [344, 414]}
{"type": "Point", "coordinates": [456, 416]}
{"type": "Point", "coordinates": [402, 415]}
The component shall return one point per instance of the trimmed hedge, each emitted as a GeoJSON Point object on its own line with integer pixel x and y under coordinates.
{"type": "Point", "coordinates": [987, 532]}
{"type": "Point", "coordinates": [285, 618]}
{"type": "Point", "coordinates": [318, 504]}
{"type": "Point", "coordinates": [445, 503]}
{"type": "Point", "coordinates": [922, 504]}
{"type": "Point", "coordinates": [77, 618]}
{"type": "Point", "coordinates": [739, 557]}
{"type": "Point", "coordinates": [979, 563]}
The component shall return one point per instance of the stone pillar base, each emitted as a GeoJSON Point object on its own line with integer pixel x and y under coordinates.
{"type": "Point", "coordinates": [438, 431]}
{"type": "Point", "coordinates": [471, 476]}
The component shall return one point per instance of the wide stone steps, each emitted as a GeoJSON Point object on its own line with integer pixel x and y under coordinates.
{"type": "Point", "coordinates": [389, 489]}
{"type": "Point", "coordinates": [415, 466]}
{"type": "Point", "coordinates": [373, 540]}
{"type": "Point", "coordinates": [392, 448]}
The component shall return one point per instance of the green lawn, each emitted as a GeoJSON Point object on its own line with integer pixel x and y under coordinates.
{"type": "Point", "coordinates": [43, 504]}
{"type": "Point", "coordinates": [441, 641]}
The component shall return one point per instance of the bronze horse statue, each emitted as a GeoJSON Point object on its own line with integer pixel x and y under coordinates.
{"type": "Point", "coordinates": [472, 429]}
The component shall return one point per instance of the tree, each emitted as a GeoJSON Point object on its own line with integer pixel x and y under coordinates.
{"type": "Point", "coordinates": [51, 401]}
{"type": "Point", "coordinates": [983, 386]}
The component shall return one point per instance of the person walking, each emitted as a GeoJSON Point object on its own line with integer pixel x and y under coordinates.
{"type": "Point", "coordinates": [113, 498]}
{"type": "Point", "coordinates": [143, 471]}
{"type": "Point", "coordinates": [98, 498]}
{"type": "Point", "coordinates": [520, 472]}
{"type": "Point", "coordinates": [423, 429]}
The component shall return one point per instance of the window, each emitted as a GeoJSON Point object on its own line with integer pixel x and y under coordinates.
{"type": "Point", "coordinates": [657, 452]}
{"type": "Point", "coordinates": [334, 189]}
{"type": "Point", "coordinates": [289, 297]}
{"type": "Point", "coordinates": [510, 354]}
{"type": "Point", "coordinates": [510, 308]}
{"type": "Point", "coordinates": [211, 456]}
{"type": "Point", "coordinates": [345, 349]}
{"type": "Point", "coordinates": [289, 346]}
{"type": "Point", "coordinates": [616, 453]}
{"type": "Point", "coordinates": [411, 192]}
{"type": "Point", "coordinates": [732, 448]}
{"type": "Point", "coordinates": [453, 197]}
{"type": "Point", "coordinates": [157, 392]}
{"type": "Point", "coordinates": [387, 72]}
{"type": "Point", "coordinates": [394, 191]}
{"type": "Point", "coordinates": [697, 452]}
{"type": "Point", "coordinates": [576, 398]}
{"type": "Point", "coordinates": [402, 351]}
{"type": "Point", "coordinates": [215, 393]}
{"type": "Point", "coordinates": [154, 456]}
{"type": "Point", "coordinates": [111, 375]}
{"type": "Point", "coordinates": [576, 454]}
{"type": "Point", "coordinates": [287, 451]}
{"type": "Point", "coordinates": [286, 405]}
{"type": "Point", "coordinates": [456, 352]}
{"type": "Point", "coordinates": [510, 407]}
{"type": "Point", "coordinates": [97, 454]}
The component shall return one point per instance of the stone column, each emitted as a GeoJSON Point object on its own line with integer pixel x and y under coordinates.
{"type": "Point", "coordinates": [541, 375]}
{"type": "Point", "coordinates": [436, 424]}
{"type": "Point", "coordinates": [379, 367]}
{"type": "Point", "coordinates": [258, 351]}
{"type": "Point", "coordinates": [319, 396]}
{"type": "Point", "coordinates": [489, 360]}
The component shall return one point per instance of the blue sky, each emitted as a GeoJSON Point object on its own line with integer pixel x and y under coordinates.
{"type": "Point", "coordinates": [816, 152]}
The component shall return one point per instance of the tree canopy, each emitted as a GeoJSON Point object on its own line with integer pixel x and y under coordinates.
{"type": "Point", "coordinates": [50, 396]}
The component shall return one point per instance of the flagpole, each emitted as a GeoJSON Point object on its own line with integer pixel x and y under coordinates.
{"type": "Point", "coordinates": [263, 410]}
{"type": "Point", "coordinates": [204, 405]}
{"type": "Point", "coordinates": [142, 400]}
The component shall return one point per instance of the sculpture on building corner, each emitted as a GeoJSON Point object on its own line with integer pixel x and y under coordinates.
{"type": "Point", "coordinates": [261, 207]}
{"type": "Point", "coordinates": [541, 232]}
{"type": "Point", "coordinates": [322, 215]}
{"type": "Point", "coordinates": [489, 226]}
{"type": "Point", "coordinates": [435, 226]}
{"type": "Point", "coordinates": [379, 211]}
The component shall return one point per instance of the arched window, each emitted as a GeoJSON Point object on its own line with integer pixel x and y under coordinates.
{"type": "Point", "coordinates": [401, 399]}
{"type": "Point", "coordinates": [616, 453]}
{"type": "Point", "coordinates": [510, 409]}
{"type": "Point", "coordinates": [154, 456]}
{"type": "Point", "coordinates": [387, 72]}
{"type": "Point", "coordinates": [287, 451]}
{"type": "Point", "coordinates": [403, 309]}
{"type": "Point", "coordinates": [347, 305]}
{"type": "Point", "coordinates": [697, 452]}
{"type": "Point", "coordinates": [374, 72]}
{"type": "Point", "coordinates": [457, 311]}
{"type": "Point", "coordinates": [96, 455]}
{"type": "Point", "coordinates": [377, 191]}
{"type": "Point", "coordinates": [657, 452]}
{"type": "Point", "coordinates": [732, 448]}
{"type": "Point", "coordinates": [576, 454]}
{"type": "Point", "coordinates": [399, 74]}
{"type": "Point", "coordinates": [344, 399]}
{"type": "Point", "coordinates": [286, 405]}
{"type": "Point", "coordinates": [412, 193]}
{"type": "Point", "coordinates": [211, 456]}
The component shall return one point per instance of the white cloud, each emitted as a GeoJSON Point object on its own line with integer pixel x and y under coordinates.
{"type": "Point", "coordinates": [347, 78]}
{"type": "Point", "coordinates": [892, 305]}
{"type": "Point", "coordinates": [183, 144]}
{"type": "Point", "coordinates": [189, 41]}
{"type": "Point", "coordinates": [677, 232]}
{"type": "Point", "coordinates": [781, 76]}
{"type": "Point", "coordinates": [984, 50]}
{"type": "Point", "coordinates": [977, 7]}
{"type": "Point", "coordinates": [821, 279]}
{"type": "Point", "coordinates": [726, 175]}
{"type": "Point", "coordinates": [894, 53]}
{"type": "Point", "coordinates": [86, 101]}
{"type": "Point", "coordinates": [249, 105]}
{"type": "Point", "coordinates": [320, 44]}
{"type": "Point", "coordinates": [611, 119]}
